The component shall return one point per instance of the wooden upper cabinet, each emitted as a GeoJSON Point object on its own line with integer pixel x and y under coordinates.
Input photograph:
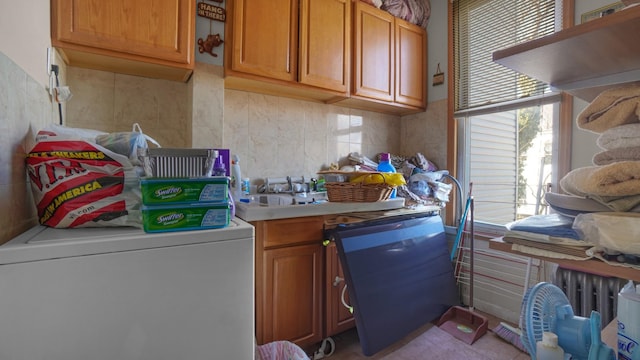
{"type": "Point", "coordinates": [343, 52]}
{"type": "Point", "coordinates": [411, 64]}
{"type": "Point", "coordinates": [325, 43]}
{"type": "Point", "coordinates": [265, 38]}
{"type": "Point", "coordinates": [373, 56]}
{"type": "Point", "coordinates": [153, 38]}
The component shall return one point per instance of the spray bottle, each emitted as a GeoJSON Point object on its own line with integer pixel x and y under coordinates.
{"type": "Point", "coordinates": [236, 178]}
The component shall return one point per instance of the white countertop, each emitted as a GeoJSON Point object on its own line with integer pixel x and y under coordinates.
{"type": "Point", "coordinates": [256, 212]}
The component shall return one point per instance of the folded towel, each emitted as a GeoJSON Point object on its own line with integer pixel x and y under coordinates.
{"type": "Point", "coordinates": [620, 137]}
{"type": "Point", "coordinates": [614, 155]}
{"type": "Point", "coordinates": [548, 224]}
{"type": "Point", "coordinates": [613, 107]}
{"type": "Point", "coordinates": [617, 179]}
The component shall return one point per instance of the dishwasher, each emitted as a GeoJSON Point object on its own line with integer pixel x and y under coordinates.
{"type": "Point", "coordinates": [398, 274]}
{"type": "Point", "coordinates": [121, 293]}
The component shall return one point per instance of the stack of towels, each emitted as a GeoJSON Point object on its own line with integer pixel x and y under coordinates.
{"type": "Point", "coordinates": [613, 182]}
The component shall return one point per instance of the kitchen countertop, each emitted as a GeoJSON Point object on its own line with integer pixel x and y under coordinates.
{"type": "Point", "coordinates": [252, 212]}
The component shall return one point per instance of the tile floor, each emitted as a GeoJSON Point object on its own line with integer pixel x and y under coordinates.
{"type": "Point", "coordinates": [430, 342]}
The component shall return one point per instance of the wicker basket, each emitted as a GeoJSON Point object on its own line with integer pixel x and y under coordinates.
{"type": "Point", "coordinates": [358, 192]}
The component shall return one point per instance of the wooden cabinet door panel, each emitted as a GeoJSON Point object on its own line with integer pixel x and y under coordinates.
{"type": "Point", "coordinates": [265, 38]}
{"type": "Point", "coordinates": [338, 317]}
{"type": "Point", "coordinates": [325, 43]}
{"type": "Point", "coordinates": [292, 294]}
{"type": "Point", "coordinates": [374, 57]}
{"type": "Point", "coordinates": [411, 64]}
{"type": "Point", "coordinates": [160, 29]}
{"type": "Point", "coordinates": [283, 232]}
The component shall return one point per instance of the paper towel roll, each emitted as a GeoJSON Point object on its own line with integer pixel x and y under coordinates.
{"type": "Point", "coordinates": [628, 323]}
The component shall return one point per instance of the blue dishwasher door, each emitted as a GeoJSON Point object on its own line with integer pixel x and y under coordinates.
{"type": "Point", "coordinates": [399, 277]}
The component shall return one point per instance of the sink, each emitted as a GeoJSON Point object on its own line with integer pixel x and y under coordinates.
{"type": "Point", "coordinates": [271, 200]}
{"type": "Point", "coordinates": [278, 206]}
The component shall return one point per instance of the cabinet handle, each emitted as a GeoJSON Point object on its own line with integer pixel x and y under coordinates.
{"type": "Point", "coordinates": [337, 281]}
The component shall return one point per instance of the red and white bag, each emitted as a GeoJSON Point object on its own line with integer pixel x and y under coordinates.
{"type": "Point", "coordinates": [77, 183]}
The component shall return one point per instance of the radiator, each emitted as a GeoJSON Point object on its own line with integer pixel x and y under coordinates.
{"type": "Point", "coordinates": [587, 292]}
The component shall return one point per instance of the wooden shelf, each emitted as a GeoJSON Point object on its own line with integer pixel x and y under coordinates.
{"type": "Point", "coordinates": [593, 266]}
{"type": "Point", "coordinates": [585, 59]}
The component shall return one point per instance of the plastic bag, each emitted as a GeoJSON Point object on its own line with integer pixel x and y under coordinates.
{"type": "Point", "coordinates": [126, 143]}
{"type": "Point", "coordinates": [78, 183]}
{"type": "Point", "coordinates": [610, 230]}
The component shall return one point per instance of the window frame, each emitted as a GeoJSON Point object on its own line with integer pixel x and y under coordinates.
{"type": "Point", "coordinates": [564, 129]}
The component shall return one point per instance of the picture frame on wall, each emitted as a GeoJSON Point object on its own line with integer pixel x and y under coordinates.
{"type": "Point", "coordinates": [602, 11]}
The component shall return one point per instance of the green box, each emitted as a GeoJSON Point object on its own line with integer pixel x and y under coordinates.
{"type": "Point", "coordinates": [165, 191]}
{"type": "Point", "coordinates": [195, 216]}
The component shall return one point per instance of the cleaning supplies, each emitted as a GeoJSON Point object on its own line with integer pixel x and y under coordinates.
{"type": "Point", "coordinates": [629, 321]}
{"type": "Point", "coordinates": [236, 178]}
{"type": "Point", "coordinates": [219, 167]}
{"type": "Point", "coordinates": [548, 348]}
{"type": "Point", "coordinates": [386, 166]}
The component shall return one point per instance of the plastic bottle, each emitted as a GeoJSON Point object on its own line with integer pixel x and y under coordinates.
{"type": "Point", "coordinates": [219, 167]}
{"type": "Point", "coordinates": [386, 166]}
{"type": "Point", "coordinates": [629, 321]}
{"type": "Point", "coordinates": [548, 348]}
{"type": "Point", "coordinates": [246, 186]}
{"type": "Point", "coordinates": [236, 178]}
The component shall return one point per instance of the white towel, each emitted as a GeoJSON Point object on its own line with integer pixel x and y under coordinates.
{"type": "Point", "coordinates": [620, 137]}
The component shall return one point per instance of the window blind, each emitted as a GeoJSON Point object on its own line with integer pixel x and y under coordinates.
{"type": "Point", "coordinates": [484, 26]}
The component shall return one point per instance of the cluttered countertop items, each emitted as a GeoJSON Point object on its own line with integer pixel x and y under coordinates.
{"type": "Point", "coordinates": [115, 179]}
{"type": "Point", "coordinates": [358, 187]}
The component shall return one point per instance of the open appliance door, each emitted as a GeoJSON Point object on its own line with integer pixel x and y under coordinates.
{"type": "Point", "coordinates": [399, 276]}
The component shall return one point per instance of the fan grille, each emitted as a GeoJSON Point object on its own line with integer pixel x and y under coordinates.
{"type": "Point", "coordinates": [538, 313]}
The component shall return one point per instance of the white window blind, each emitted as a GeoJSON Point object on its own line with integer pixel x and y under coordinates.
{"type": "Point", "coordinates": [484, 26]}
{"type": "Point", "coordinates": [505, 119]}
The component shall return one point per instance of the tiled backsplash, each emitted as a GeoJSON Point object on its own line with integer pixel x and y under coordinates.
{"type": "Point", "coordinates": [273, 136]}
{"type": "Point", "coordinates": [25, 107]}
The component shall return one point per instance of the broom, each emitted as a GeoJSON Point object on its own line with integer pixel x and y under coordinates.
{"type": "Point", "coordinates": [508, 332]}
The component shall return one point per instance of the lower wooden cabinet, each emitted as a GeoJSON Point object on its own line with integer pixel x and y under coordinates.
{"type": "Point", "coordinates": [295, 296]}
{"type": "Point", "coordinates": [338, 318]}
{"type": "Point", "coordinates": [289, 273]}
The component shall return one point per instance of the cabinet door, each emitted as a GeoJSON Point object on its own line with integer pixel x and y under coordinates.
{"type": "Point", "coordinates": [411, 64]}
{"type": "Point", "coordinates": [374, 59]}
{"type": "Point", "coordinates": [291, 295]}
{"type": "Point", "coordinates": [265, 38]}
{"type": "Point", "coordinates": [325, 43]}
{"type": "Point", "coordinates": [150, 29]}
{"type": "Point", "coordinates": [338, 317]}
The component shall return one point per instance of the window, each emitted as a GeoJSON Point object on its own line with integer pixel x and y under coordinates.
{"type": "Point", "coordinates": [507, 123]}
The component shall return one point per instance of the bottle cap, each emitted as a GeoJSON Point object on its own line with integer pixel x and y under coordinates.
{"type": "Point", "coordinates": [549, 338]}
{"type": "Point", "coordinates": [384, 156]}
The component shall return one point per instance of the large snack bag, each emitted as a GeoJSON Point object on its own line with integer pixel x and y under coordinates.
{"type": "Point", "coordinates": [77, 183]}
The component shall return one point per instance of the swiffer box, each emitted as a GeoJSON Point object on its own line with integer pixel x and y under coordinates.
{"type": "Point", "coordinates": [183, 217]}
{"type": "Point", "coordinates": [168, 191]}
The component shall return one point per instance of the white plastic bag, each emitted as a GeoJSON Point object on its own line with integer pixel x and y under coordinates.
{"type": "Point", "coordinates": [610, 230]}
{"type": "Point", "coordinates": [128, 143]}
{"type": "Point", "coordinates": [78, 183]}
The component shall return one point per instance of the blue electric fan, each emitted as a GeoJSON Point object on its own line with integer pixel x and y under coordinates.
{"type": "Point", "coordinates": [546, 308]}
